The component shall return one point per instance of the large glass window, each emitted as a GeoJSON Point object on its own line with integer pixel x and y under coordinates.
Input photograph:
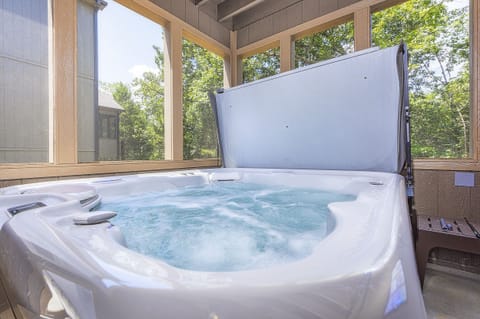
{"type": "Point", "coordinates": [324, 45]}
{"type": "Point", "coordinates": [438, 39]}
{"type": "Point", "coordinates": [202, 72]}
{"type": "Point", "coordinates": [24, 88]}
{"type": "Point", "coordinates": [261, 65]}
{"type": "Point", "coordinates": [123, 117]}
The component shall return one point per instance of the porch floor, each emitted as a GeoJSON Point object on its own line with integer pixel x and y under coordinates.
{"type": "Point", "coordinates": [451, 293]}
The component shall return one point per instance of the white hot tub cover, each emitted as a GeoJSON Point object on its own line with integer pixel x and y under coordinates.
{"type": "Point", "coordinates": [343, 114]}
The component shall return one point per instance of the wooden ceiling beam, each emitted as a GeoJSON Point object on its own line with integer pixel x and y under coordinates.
{"type": "Point", "coordinates": [200, 3]}
{"type": "Point", "coordinates": [230, 8]}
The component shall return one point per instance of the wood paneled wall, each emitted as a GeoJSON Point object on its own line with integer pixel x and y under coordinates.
{"type": "Point", "coordinates": [437, 195]}
{"type": "Point", "coordinates": [266, 21]}
{"type": "Point", "coordinates": [189, 13]}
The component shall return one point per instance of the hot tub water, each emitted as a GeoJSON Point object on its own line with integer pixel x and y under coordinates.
{"type": "Point", "coordinates": [225, 226]}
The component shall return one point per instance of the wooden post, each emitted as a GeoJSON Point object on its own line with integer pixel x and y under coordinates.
{"type": "Point", "coordinates": [232, 73]}
{"type": "Point", "coordinates": [286, 53]}
{"type": "Point", "coordinates": [64, 65]}
{"type": "Point", "coordinates": [239, 69]}
{"type": "Point", "coordinates": [173, 92]}
{"type": "Point", "coordinates": [361, 27]}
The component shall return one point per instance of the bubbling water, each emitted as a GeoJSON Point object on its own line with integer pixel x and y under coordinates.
{"type": "Point", "coordinates": [225, 226]}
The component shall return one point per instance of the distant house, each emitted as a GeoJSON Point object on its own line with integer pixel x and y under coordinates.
{"type": "Point", "coordinates": [108, 127]}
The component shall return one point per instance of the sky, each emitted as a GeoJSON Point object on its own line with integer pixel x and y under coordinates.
{"type": "Point", "coordinates": [125, 41]}
{"type": "Point", "coordinates": [457, 4]}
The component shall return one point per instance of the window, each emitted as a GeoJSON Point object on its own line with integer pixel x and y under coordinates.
{"type": "Point", "coordinates": [103, 126]}
{"type": "Point", "coordinates": [324, 45]}
{"type": "Point", "coordinates": [121, 118]}
{"type": "Point", "coordinates": [112, 127]}
{"type": "Point", "coordinates": [24, 81]}
{"type": "Point", "coordinates": [202, 72]}
{"type": "Point", "coordinates": [261, 65]}
{"type": "Point", "coordinates": [108, 126]}
{"type": "Point", "coordinates": [437, 35]}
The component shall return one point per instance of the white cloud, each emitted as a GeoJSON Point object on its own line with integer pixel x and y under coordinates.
{"type": "Point", "coordinates": [138, 70]}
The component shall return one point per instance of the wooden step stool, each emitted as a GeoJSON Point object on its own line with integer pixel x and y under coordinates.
{"type": "Point", "coordinates": [431, 235]}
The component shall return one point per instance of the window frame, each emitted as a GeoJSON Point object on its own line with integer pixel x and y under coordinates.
{"type": "Point", "coordinates": [325, 27]}
{"type": "Point", "coordinates": [63, 119]}
{"type": "Point", "coordinates": [63, 86]}
{"type": "Point", "coordinates": [189, 38]}
{"type": "Point", "coordinates": [361, 12]}
{"type": "Point", "coordinates": [263, 50]}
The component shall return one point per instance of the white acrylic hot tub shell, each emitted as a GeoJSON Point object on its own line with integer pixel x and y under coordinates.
{"type": "Point", "coordinates": [366, 261]}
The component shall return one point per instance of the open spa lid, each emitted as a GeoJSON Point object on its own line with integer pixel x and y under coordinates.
{"type": "Point", "coordinates": [344, 114]}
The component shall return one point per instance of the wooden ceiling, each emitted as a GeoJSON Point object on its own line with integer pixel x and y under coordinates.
{"type": "Point", "coordinates": [234, 14]}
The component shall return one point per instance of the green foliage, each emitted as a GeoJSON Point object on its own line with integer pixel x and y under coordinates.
{"type": "Point", "coordinates": [324, 45]}
{"type": "Point", "coordinates": [136, 135]}
{"type": "Point", "coordinates": [142, 121]}
{"type": "Point", "coordinates": [202, 72]}
{"type": "Point", "coordinates": [327, 44]}
{"type": "Point", "coordinates": [438, 42]}
{"type": "Point", "coordinates": [261, 65]}
{"type": "Point", "coordinates": [149, 92]}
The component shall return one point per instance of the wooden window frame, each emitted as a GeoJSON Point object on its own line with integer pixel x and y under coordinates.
{"type": "Point", "coordinates": [361, 12]}
{"type": "Point", "coordinates": [63, 86]}
{"type": "Point", "coordinates": [457, 164]}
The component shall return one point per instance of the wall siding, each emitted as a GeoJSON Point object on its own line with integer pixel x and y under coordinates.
{"type": "Point", "coordinates": [23, 81]}
{"type": "Point", "coordinates": [437, 195]}
{"type": "Point", "coordinates": [85, 82]}
{"type": "Point", "coordinates": [86, 119]}
{"type": "Point", "coordinates": [262, 11]}
{"type": "Point", "coordinates": [188, 12]}
{"type": "Point", "coordinates": [269, 19]}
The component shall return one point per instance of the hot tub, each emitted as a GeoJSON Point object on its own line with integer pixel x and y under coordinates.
{"type": "Point", "coordinates": [364, 267]}
{"type": "Point", "coordinates": [62, 255]}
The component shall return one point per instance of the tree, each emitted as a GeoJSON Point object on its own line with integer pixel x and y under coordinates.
{"type": "Point", "coordinates": [150, 93]}
{"type": "Point", "coordinates": [437, 37]}
{"type": "Point", "coordinates": [327, 44]}
{"type": "Point", "coordinates": [142, 122]}
{"type": "Point", "coordinates": [136, 135]}
{"type": "Point", "coordinates": [202, 72]}
{"type": "Point", "coordinates": [330, 43]}
{"type": "Point", "coordinates": [261, 65]}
